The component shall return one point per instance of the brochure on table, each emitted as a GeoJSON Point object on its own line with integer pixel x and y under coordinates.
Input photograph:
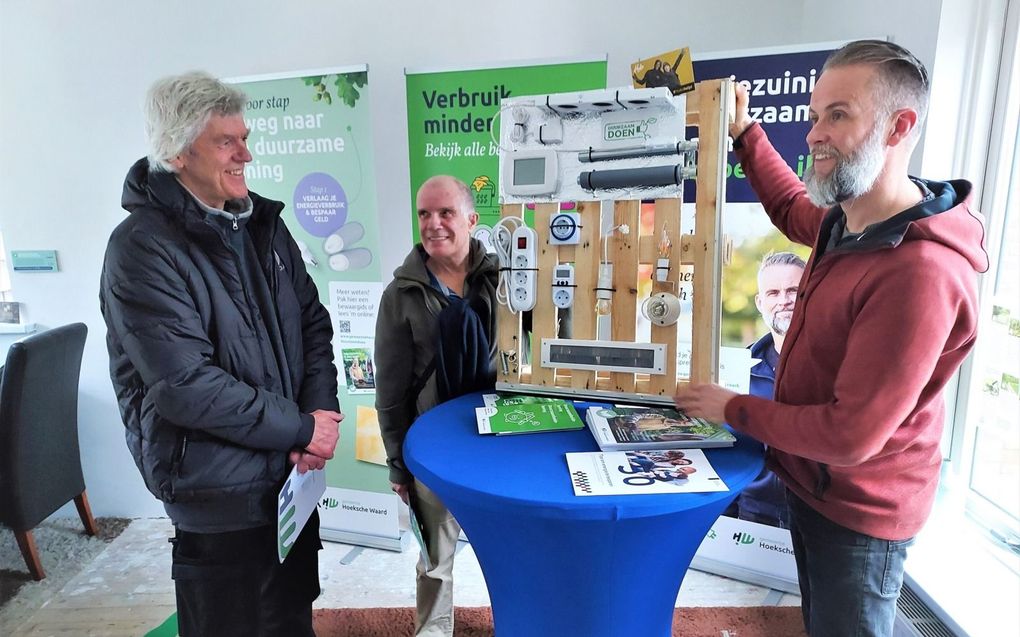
{"type": "Point", "coordinates": [638, 472]}
{"type": "Point", "coordinates": [525, 414]}
{"type": "Point", "coordinates": [625, 427]}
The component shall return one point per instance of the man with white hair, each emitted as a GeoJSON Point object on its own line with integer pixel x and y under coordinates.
{"type": "Point", "coordinates": [886, 312]}
{"type": "Point", "coordinates": [221, 357]}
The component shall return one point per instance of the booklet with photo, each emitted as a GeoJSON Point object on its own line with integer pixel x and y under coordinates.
{"type": "Point", "coordinates": [525, 414]}
{"type": "Point", "coordinates": [639, 472]}
{"type": "Point", "coordinates": [624, 427]}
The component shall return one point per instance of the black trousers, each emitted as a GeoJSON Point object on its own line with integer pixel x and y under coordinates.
{"type": "Point", "coordinates": [233, 583]}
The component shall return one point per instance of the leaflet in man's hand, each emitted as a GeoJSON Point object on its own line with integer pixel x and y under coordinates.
{"type": "Point", "coordinates": [624, 427]}
{"type": "Point", "coordinates": [637, 472]}
{"type": "Point", "coordinates": [525, 414]}
{"type": "Point", "coordinates": [297, 500]}
{"type": "Point", "coordinates": [417, 528]}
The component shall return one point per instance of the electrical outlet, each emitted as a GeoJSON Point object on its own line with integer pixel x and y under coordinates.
{"type": "Point", "coordinates": [562, 298]}
{"type": "Point", "coordinates": [563, 286]}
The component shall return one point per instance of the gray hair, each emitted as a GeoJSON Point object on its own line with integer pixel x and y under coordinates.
{"type": "Point", "coordinates": [781, 258]}
{"type": "Point", "coordinates": [901, 79]}
{"type": "Point", "coordinates": [178, 107]}
{"type": "Point", "coordinates": [467, 199]}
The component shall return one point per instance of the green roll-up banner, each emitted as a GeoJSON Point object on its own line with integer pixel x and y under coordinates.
{"type": "Point", "coordinates": [450, 127]}
{"type": "Point", "coordinates": [312, 148]}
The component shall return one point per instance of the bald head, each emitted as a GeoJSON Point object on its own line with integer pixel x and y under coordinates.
{"type": "Point", "coordinates": [465, 202]}
{"type": "Point", "coordinates": [446, 216]}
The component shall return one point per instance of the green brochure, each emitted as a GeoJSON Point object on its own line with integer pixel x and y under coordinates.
{"type": "Point", "coordinates": [525, 414]}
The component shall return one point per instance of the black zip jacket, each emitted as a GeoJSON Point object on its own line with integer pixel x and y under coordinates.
{"type": "Point", "coordinates": [216, 369]}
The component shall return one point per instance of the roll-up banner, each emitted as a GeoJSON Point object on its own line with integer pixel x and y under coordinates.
{"type": "Point", "coordinates": [311, 145]}
{"type": "Point", "coordinates": [450, 119]}
{"type": "Point", "coordinates": [779, 83]}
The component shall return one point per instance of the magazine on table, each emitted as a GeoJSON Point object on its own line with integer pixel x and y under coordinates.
{"type": "Point", "coordinates": [640, 472]}
{"type": "Point", "coordinates": [504, 415]}
{"type": "Point", "coordinates": [625, 427]}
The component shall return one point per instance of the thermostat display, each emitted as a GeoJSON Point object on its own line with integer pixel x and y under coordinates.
{"type": "Point", "coordinates": [531, 172]}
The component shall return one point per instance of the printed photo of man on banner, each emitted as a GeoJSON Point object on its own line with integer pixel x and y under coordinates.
{"type": "Point", "coordinates": [312, 147]}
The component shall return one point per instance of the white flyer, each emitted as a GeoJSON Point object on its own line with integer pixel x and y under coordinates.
{"type": "Point", "coordinates": [298, 498]}
{"type": "Point", "coordinates": [637, 472]}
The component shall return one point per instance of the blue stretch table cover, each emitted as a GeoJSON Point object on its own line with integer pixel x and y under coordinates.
{"type": "Point", "coordinates": [557, 564]}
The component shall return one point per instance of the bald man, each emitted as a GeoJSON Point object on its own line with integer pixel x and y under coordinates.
{"type": "Point", "coordinates": [434, 341]}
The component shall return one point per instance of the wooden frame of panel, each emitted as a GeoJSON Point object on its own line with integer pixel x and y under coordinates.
{"type": "Point", "coordinates": [710, 109]}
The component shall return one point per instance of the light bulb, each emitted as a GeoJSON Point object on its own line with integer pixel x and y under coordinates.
{"type": "Point", "coordinates": [344, 238]}
{"type": "Point", "coordinates": [355, 259]}
{"type": "Point", "coordinates": [662, 263]}
{"type": "Point", "coordinates": [664, 244]}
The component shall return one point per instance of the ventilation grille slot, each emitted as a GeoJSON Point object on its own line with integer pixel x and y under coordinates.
{"type": "Point", "coordinates": [918, 618]}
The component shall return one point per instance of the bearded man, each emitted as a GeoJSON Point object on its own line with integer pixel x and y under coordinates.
{"type": "Point", "coordinates": [886, 311]}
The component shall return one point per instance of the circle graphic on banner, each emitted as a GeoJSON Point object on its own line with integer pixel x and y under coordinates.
{"type": "Point", "coordinates": [320, 204]}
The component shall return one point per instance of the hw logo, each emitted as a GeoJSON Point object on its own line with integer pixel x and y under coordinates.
{"type": "Point", "coordinates": [743, 538]}
{"type": "Point", "coordinates": [285, 516]}
{"type": "Point", "coordinates": [329, 503]}
{"type": "Point", "coordinates": [619, 131]}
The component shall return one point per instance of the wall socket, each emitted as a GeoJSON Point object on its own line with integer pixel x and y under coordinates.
{"type": "Point", "coordinates": [563, 286]}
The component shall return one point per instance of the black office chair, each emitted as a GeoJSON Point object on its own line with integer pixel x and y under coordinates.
{"type": "Point", "coordinates": [40, 467]}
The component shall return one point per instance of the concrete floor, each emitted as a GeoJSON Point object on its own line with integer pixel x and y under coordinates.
{"type": "Point", "coordinates": [127, 590]}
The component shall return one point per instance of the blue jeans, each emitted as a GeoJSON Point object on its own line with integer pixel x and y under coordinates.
{"type": "Point", "coordinates": [849, 582]}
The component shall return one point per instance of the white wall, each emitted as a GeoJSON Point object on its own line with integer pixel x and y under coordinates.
{"type": "Point", "coordinates": [72, 77]}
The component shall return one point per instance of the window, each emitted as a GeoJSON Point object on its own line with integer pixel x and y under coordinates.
{"type": "Point", "coordinates": [990, 396]}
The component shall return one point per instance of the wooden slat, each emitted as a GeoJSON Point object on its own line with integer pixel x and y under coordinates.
{"type": "Point", "coordinates": [641, 386]}
{"type": "Point", "coordinates": [700, 251]}
{"type": "Point", "coordinates": [508, 327]}
{"type": "Point", "coordinates": [694, 105]}
{"type": "Point", "coordinates": [667, 215]}
{"type": "Point", "coordinates": [624, 256]}
{"type": "Point", "coordinates": [543, 317]}
{"type": "Point", "coordinates": [706, 245]}
{"type": "Point", "coordinates": [586, 275]}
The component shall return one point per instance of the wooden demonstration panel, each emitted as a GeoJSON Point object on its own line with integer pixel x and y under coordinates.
{"type": "Point", "coordinates": [709, 108]}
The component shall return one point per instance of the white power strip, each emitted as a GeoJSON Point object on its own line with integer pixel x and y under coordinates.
{"type": "Point", "coordinates": [523, 269]}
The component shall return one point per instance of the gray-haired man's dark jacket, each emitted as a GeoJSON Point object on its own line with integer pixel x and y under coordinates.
{"type": "Point", "coordinates": [219, 351]}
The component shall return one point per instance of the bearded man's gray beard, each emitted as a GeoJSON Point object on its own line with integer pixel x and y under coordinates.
{"type": "Point", "coordinates": [853, 174]}
{"type": "Point", "coordinates": [779, 325]}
